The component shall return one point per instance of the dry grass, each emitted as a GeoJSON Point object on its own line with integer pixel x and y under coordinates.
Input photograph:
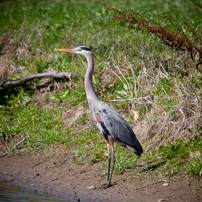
{"type": "Point", "coordinates": [174, 112]}
{"type": "Point", "coordinates": [7, 67]}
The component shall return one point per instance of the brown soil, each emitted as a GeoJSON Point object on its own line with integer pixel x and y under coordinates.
{"type": "Point", "coordinates": [83, 182]}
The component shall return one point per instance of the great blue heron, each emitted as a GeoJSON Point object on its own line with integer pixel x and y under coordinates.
{"type": "Point", "coordinates": [109, 122]}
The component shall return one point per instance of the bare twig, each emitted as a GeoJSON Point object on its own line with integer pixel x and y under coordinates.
{"type": "Point", "coordinates": [19, 143]}
{"type": "Point", "coordinates": [69, 110]}
{"type": "Point", "coordinates": [174, 38]}
{"type": "Point", "coordinates": [10, 51]}
{"type": "Point", "coordinates": [144, 186]}
{"type": "Point", "coordinates": [141, 100]}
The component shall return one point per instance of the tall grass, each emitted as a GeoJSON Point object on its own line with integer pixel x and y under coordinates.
{"type": "Point", "coordinates": [134, 69]}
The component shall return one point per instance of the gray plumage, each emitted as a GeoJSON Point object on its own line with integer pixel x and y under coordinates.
{"type": "Point", "coordinates": [110, 123]}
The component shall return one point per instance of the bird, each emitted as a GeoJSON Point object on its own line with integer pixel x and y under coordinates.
{"type": "Point", "coordinates": [109, 122]}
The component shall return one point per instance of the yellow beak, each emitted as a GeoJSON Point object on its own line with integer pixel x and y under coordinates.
{"type": "Point", "coordinates": [67, 50]}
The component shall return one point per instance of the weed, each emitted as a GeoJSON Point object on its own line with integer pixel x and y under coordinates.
{"type": "Point", "coordinates": [179, 149]}
{"type": "Point", "coordinates": [195, 166]}
{"type": "Point", "coordinates": [149, 82]}
{"type": "Point", "coordinates": [177, 154]}
{"type": "Point", "coordinates": [176, 36]}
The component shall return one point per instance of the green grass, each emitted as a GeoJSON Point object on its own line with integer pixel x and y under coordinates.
{"type": "Point", "coordinates": [178, 154]}
{"type": "Point", "coordinates": [40, 126]}
{"type": "Point", "coordinates": [44, 26]}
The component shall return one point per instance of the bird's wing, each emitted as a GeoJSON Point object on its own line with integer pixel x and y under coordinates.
{"type": "Point", "coordinates": [117, 127]}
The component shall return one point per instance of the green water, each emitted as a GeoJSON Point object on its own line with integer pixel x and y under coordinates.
{"type": "Point", "coordinates": [10, 192]}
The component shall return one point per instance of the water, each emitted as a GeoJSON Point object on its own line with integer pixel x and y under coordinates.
{"type": "Point", "coordinates": [9, 192]}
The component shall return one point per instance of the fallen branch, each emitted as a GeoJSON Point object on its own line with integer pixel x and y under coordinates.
{"type": "Point", "coordinates": [55, 75]}
{"type": "Point", "coordinates": [144, 185]}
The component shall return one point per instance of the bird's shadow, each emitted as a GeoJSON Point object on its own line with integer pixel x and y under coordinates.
{"type": "Point", "coordinates": [149, 168]}
{"type": "Point", "coordinates": [153, 167]}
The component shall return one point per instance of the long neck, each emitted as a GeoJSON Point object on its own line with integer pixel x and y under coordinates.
{"type": "Point", "coordinates": [90, 91]}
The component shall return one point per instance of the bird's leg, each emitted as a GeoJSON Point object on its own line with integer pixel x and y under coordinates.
{"type": "Point", "coordinates": [111, 141]}
{"type": "Point", "coordinates": [109, 160]}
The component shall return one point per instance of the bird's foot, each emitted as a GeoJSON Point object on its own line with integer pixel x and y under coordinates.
{"type": "Point", "coordinates": [103, 186]}
{"type": "Point", "coordinates": [107, 185]}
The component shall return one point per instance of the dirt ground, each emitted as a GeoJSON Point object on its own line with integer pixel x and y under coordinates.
{"type": "Point", "coordinates": [83, 182]}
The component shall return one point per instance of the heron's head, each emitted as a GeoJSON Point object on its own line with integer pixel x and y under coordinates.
{"type": "Point", "coordinates": [82, 50]}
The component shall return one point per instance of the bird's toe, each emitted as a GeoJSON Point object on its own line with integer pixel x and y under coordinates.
{"type": "Point", "coordinates": [107, 185]}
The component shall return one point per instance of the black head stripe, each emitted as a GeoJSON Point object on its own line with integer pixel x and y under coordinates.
{"type": "Point", "coordinates": [84, 48]}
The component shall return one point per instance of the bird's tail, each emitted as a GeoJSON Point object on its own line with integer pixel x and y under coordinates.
{"type": "Point", "coordinates": [137, 149]}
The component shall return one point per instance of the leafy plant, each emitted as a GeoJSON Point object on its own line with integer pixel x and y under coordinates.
{"type": "Point", "coordinates": [63, 96]}
{"type": "Point", "coordinates": [130, 66]}
{"type": "Point", "coordinates": [176, 37]}
{"type": "Point", "coordinates": [176, 150]}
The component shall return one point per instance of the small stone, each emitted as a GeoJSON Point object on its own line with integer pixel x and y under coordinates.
{"type": "Point", "coordinates": [91, 187]}
{"type": "Point", "coordinates": [165, 184]}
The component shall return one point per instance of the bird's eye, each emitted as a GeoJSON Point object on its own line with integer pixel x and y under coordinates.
{"type": "Point", "coordinates": [80, 49]}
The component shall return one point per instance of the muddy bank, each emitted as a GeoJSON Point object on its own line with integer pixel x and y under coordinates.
{"type": "Point", "coordinates": [49, 175]}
